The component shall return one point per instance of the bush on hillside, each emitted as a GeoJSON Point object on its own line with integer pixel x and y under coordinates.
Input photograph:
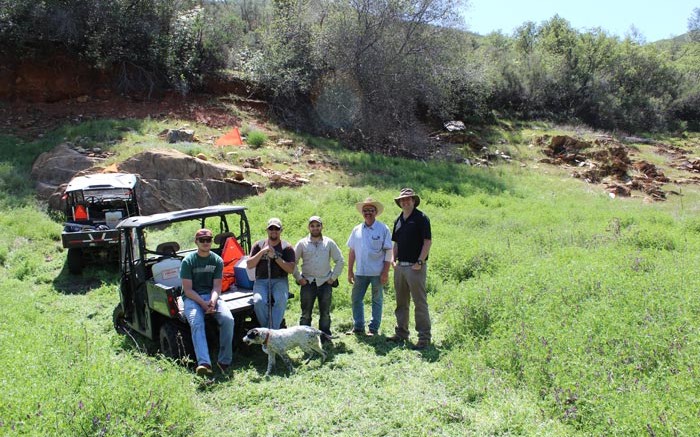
{"type": "Point", "coordinates": [381, 75]}
{"type": "Point", "coordinates": [370, 76]}
{"type": "Point", "coordinates": [147, 43]}
{"type": "Point", "coordinates": [256, 139]}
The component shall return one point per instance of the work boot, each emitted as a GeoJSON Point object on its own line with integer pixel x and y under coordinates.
{"type": "Point", "coordinates": [422, 344]}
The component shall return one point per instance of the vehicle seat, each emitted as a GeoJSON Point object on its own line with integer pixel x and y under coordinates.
{"type": "Point", "coordinates": [167, 272]}
{"type": "Point", "coordinates": [221, 238]}
{"type": "Point", "coordinates": [168, 248]}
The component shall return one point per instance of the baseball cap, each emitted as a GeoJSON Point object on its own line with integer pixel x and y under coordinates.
{"type": "Point", "coordinates": [315, 218]}
{"type": "Point", "coordinates": [274, 221]}
{"type": "Point", "coordinates": [203, 233]}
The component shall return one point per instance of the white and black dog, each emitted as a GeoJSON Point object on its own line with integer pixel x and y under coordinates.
{"type": "Point", "coordinates": [279, 341]}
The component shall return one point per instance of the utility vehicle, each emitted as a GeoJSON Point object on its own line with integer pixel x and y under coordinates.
{"type": "Point", "coordinates": [152, 249]}
{"type": "Point", "coordinates": [94, 204]}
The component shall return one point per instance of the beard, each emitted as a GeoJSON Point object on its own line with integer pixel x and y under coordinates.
{"type": "Point", "coordinates": [274, 240]}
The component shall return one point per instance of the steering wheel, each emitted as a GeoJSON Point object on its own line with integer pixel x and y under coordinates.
{"type": "Point", "coordinates": [93, 200]}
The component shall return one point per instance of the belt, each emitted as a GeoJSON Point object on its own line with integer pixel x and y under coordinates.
{"type": "Point", "coordinates": [405, 263]}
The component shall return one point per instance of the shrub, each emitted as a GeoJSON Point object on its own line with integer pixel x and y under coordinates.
{"type": "Point", "coordinates": [468, 266]}
{"type": "Point", "coordinates": [256, 139]}
{"type": "Point", "coordinates": [652, 240]}
{"type": "Point", "coordinates": [147, 43]}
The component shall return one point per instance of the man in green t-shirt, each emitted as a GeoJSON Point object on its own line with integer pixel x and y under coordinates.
{"type": "Point", "coordinates": [201, 274]}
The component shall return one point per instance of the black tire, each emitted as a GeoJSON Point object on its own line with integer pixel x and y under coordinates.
{"type": "Point", "coordinates": [175, 342]}
{"type": "Point", "coordinates": [119, 321]}
{"type": "Point", "coordinates": [75, 261]}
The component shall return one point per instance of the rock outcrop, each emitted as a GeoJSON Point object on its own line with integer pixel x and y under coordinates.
{"type": "Point", "coordinates": [169, 180]}
{"type": "Point", "coordinates": [605, 161]}
{"type": "Point", "coordinates": [54, 169]}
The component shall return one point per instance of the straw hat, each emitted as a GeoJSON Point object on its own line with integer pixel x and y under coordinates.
{"type": "Point", "coordinates": [370, 202]}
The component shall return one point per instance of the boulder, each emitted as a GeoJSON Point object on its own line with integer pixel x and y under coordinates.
{"type": "Point", "coordinates": [58, 166]}
{"type": "Point", "coordinates": [169, 180]}
{"type": "Point", "coordinates": [172, 180]}
{"type": "Point", "coordinates": [180, 135]}
{"type": "Point", "coordinates": [168, 164]}
{"type": "Point", "coordinates": [455, 125]}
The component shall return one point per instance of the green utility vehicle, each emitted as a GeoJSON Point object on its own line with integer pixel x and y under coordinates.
{"type": "Point", "coordinates": [152, 249]}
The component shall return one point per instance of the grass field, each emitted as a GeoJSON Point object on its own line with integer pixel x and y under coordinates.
{"type": "Point", "coordinates": [556, 311]}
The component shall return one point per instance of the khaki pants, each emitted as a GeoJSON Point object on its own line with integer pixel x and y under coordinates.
{"type": "Point", "coordinates": [410, 284]}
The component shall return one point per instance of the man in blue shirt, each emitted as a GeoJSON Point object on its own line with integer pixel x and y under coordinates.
{"type": "Point", "coordinates": [370, 247]}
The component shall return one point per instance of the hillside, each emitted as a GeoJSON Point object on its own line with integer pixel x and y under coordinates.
{"type": "Point", "coordinates": [557, 309]}
{"type": "Point", "coordinates": [653, 157]}
{"type": "Point", "coordinates": [560, 277]}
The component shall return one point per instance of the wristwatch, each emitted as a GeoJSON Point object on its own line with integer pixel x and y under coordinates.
{"type": "Point", "coordinates": [419, 262]}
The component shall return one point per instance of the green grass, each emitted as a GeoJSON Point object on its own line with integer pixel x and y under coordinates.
{"type": "Point", "coordinates": [556, 311]}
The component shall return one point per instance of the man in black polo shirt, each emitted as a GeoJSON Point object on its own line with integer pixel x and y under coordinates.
{"type": "Point", "coordinates": [412, 238]}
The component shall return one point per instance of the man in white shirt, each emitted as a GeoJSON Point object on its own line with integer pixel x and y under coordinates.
{"type": "Point", "coordinates": [316, 277]}
{"type": "Point", "coordinates": [371, 249]}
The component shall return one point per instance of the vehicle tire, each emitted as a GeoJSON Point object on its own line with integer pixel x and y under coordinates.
{"type": "Point", "coordinates": [240, 329]}
{"type": "Point", "coordinates": [175, 342]}
{"type": "Point", "coordinates": [75, 261]}
{"type": "Point", "coordinates": [119, 321]}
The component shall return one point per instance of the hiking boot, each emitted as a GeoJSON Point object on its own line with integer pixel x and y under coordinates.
{"type": "Point", "coordinates": [396, 339]}
{"type": "Point", "coordinates": [203, 370]}
{"type": "Point", "coordinates": [422, 344]}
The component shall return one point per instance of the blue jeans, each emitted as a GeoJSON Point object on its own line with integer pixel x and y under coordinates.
{"type": "Point", "coordinates": [280, 293]}
{"type": "Point", "coordinates": [195, 317]}
{"type": "Point", "coordinates": [309, 293]}
{"type": "Point", "coordinates": [359, 289]}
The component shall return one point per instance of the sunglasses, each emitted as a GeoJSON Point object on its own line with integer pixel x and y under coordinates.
{"type": "Point", "coordinates": [204, 240]}
{"type": "Point", "coordinates": [273, 228]}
